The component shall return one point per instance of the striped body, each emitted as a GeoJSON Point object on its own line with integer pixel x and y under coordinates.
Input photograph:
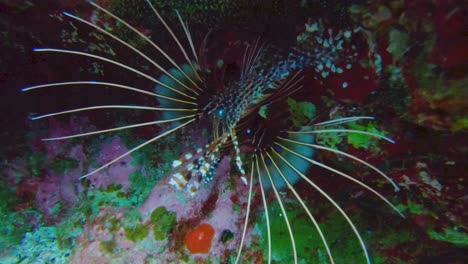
{"type": "Point", "coordinates": [270, 66]}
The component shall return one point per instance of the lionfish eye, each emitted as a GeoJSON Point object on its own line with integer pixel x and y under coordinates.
{"type": "Point", "coordinates": [248, 131]}
{"type": "Point", "coordinates": [221, 112]}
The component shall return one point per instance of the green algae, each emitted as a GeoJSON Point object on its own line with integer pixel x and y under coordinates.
{"type": "Point", "coordinates": [460, 124]}
{"type": "Point", "coordinates": [399, 44]}
{"type": "Point", "coordinates": [163, 222]}
{"type": "Point", "coordinates": [108, 246]}
{"type": "Point", "coordinates": [357, 140]}
{"type": "Point", "coordinates": [413, 208]}
{"type": "Point", "coordinates": [302, 112]}
{"type": "Point", "coordinates": [14, 223]}
{"type": "Point", "coordinates": [40, 246]}
{"type": "Point", "coordinates": [36, 163]}
{"type": "Point", "coordinates": [136, 233]}
{"type": "Point", "coordinates": [443, 94]}
{"type": "Point", "coordinates": [363, 141]}
{"type": "Point", "coordinates": [112, 195]}
{"type": "Point", "coordinates": [263, 111]}
{"type": "Point", "coordinates": [226, 235]}
{"type": "Point", "coordinates": [91, 202]}
{"type": "Point", "coordinates": [309, 245]}
{"type": "Point", "coordinates": [344, 245]}
{"type": "Point", "coordinates": [113, 224]}
{"type": "Point", "coordinates": [62, 165]}
{"type": "Point", "coordinates": [453, 236]}
{"type": "Point", "coordinates": [132, 217]}
{"type": "Point", "coordinates": [236, 208]}
{"type": "Point", "coordinates": [331, 140]}
{"type": "Point", "coordinates": [427, 76]}
{"type": "Point", "coordinates": [154, 163]}
{"type": "Point", "coordinates": [386, 238]}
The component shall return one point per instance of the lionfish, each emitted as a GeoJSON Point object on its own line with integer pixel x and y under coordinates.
{"type": "Point", "coordinates": [246, 112]}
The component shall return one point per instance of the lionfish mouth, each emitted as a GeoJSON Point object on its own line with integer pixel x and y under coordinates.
{"type": "Point", "coordinates": [247, 118]}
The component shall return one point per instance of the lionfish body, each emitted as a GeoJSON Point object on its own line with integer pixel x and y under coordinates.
{"type": "Point", "coordinates": [249, 111]}
{"type": "Point", "coordinates": [265, 80]}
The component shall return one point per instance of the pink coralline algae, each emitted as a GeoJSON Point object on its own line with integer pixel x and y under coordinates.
{"type": "Point", "coordinates": [52, 190]}
{"type": "Point", "coordinates": [214, 200]}
{"type": "Point", "coordinates": [116, 173]}
{"type": "Point", "coordinates": [215, 197]}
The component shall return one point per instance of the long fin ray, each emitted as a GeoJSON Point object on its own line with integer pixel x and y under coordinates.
{"type": "Point", "coordinates": [137, 148]}
{"type": "Point", "coordinates": [247, 214]}
{"type": "Point", "coordinates": [349, 178]}
{"type": "Point", "coordinates": [277, 95]}
{"type": "Point", "coordinates": [248, 64]}
{"type": "Point", "coordinates": [111, 107]}
{"type": "Point", "coordinates": [188, 35]}
{"type": "Point", "coordinates": [278, 198]}
{"type": "Point", "coordinates": [257, 56]}
{"type": "Point", "coordinates": [265, 206]}
{"type": "Point", "coordinates": [286, 89]}
{"type": "Point", "coordinates": [145, 38]}
{"type": "Point", "coordinates": [169, 93]}
{"type": "Point", "coordinates": [343, 131]}
{"type": "Point", "coordinates": [343, 120]}
{"type": "Point", "coordinates": [159, 67]}
{"type": "Point", "coordinates": [244, 61]}
{"type": "Point", "coordinates": [182, 49]}
{"type": "Point", "coordinates": [118, 128]}
{"type": "Point", "coordinates": [115, 85]}
{"type": "Point", "coordinates": [299, 199]}
{"type": "Point", "coordinates": [349, 156]}
{"type": "Point", "coordinates": [85, 54]}
{"type": "Point", "coordinates": [287, 85]}
{"type": "Point", "coordinates": [343, 213]}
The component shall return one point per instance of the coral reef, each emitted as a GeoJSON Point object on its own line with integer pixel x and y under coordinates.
{"type": "Point", "coordinates": [409, 73]}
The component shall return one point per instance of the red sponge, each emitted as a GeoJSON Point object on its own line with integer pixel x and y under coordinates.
{"type": "Point", "coordinates": [199, 239]}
